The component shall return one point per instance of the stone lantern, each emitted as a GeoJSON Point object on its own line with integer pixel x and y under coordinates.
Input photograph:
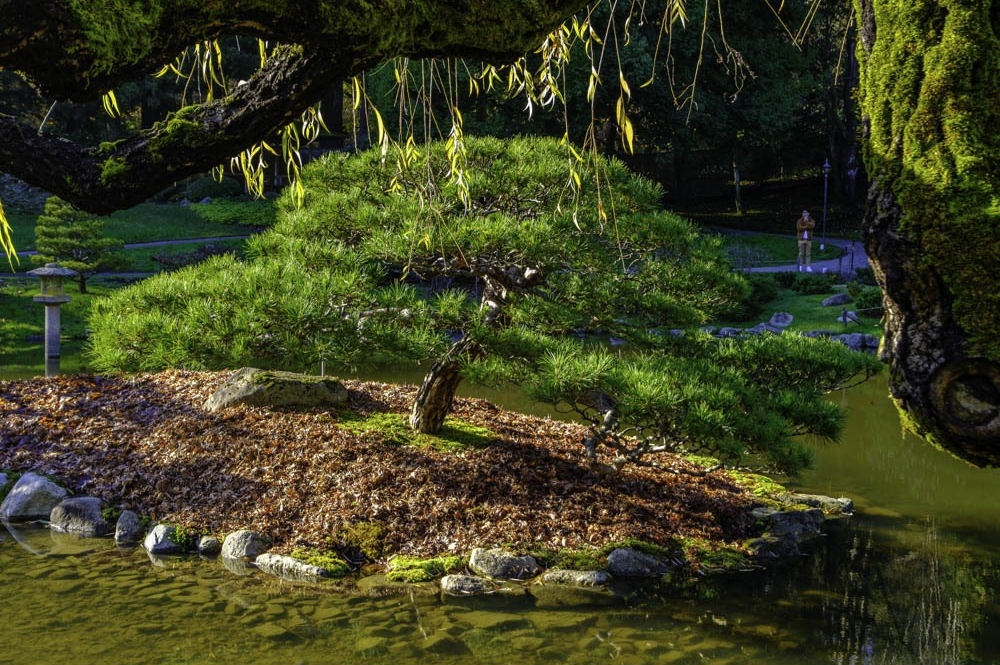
{"type": "Point", "coordinates": [53, 296]}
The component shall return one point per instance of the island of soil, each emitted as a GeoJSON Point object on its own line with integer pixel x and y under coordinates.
{"type": "Point", "coordinates": [355, 480]}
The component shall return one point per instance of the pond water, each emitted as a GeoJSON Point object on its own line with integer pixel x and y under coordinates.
{"type": "Point", "coordinates": [912, 578]}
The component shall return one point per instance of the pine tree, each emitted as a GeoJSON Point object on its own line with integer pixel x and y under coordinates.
{"type": "Point", "coordinates": [73, 238]}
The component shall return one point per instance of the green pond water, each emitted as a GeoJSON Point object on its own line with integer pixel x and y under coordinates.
{"type": "Point", "coordinates": [913, 577]}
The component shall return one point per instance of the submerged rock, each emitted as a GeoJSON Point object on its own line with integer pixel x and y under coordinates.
{"type": "Point", "coordinates": [587, 578]}
{"type": "Point", "coordinates": [466, 585]}
{"type": "Point", "coordinates": [289, 568]}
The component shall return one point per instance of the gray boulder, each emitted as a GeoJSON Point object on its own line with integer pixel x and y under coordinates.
{"type": "Point", "coordinates": [79, 515]}
{"type": "Point", "coordinates": [785, 531]}
{"type": "Point", "coordinates": [209, 546]}
{"type": "Point", "coordinates": [835, 300]}
{"type": "Point", "coordinates": [244, 543]}
{"type": "Point", "coordinates": [577, 577]}
{"type": "Point", "coordinates": [161, 540]}
{"type": "Point", "coordinates": [626, 562]}
{"type": "Point", "coordinates": [781, 319]}
{"type": "Point", "coordinates": [466, 585]}
{"type": "Point", "coordinates": [828, 504]}
{"type": "Point", "coordinates": [289, 568]}
{"type": "Point", "coordinates": [128, 528]}
{"type": "Point", "coordinates": [497, 564]}
{"type": "Point", "coordinates": [32, 498]}
{"type": "Point", "coordinates": [257, 387]}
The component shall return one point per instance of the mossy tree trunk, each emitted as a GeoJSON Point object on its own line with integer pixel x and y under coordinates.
{"type": "Point", "coordinates": [930, 101]}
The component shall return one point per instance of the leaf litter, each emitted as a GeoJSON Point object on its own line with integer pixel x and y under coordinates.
{"type": "Point", "coordinates": [145, 443]}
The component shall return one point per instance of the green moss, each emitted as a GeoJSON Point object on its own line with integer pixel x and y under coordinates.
{"type": "Point", "coordinates": [640, 546]}
{"type": "Point", "coordinates": [118, 31]}
{"type": "Point", "coordinates": [113, 169]}
{"type": "Point", "coordinates": [412, 569]}
{"type": "Point", "coordinates": [394, 428]}
{"type": "Point", "coordinates": [328, 561]}
{"type": "Point", "coordinates": [709, 556]}
{"type": "Point", "coordinates": [585, 559]}
{"type": "Point", "coordinates": [365, 538]}
{"type": "Point", "coordinates": [759, 486]}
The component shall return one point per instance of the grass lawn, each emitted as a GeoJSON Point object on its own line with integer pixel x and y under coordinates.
{"type": "Point", "coordinates": [809, 314]}
{"type": "Point", "coordinates": [762, 250]}
{"type": "Point", "coordinates": [141, 258]}
{"type": "Point", "coordinates": [146, 222]}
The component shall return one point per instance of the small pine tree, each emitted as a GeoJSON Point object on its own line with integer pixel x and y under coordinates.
{"type": "Point", "coordinates": [73, 238]}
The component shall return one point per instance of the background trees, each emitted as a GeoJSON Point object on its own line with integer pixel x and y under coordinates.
{"type": "Point", "coordinates": [74, 239]}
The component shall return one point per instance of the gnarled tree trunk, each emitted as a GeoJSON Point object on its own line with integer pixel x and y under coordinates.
{"type": "Point", "coordinates": [930, 98]}
{"type": "Point", "coordinates": [437, 392]}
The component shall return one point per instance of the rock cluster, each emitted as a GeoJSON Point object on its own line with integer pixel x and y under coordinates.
{"type": "Point", "coordinates": [780, 320]}
{"type": "Point", "coordinates": [490, 571]}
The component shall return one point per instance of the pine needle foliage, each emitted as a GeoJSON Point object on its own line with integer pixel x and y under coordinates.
{"type": "Point", "coordinates": [369, 268]}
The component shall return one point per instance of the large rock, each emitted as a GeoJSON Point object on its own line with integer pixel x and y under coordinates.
{"type": "Point", "coordinates": [499, 565]}
{"type": "Point", "coordinates": [79, 515]}
{"type": "Point", "coordinates": [785, 531]}
{"type": "Point", "coordinates": [32, 498]}
{"type": "Point", "coordinates": [257, 387]}
{"type": "Point", "coordinates": [128, 528]}
{"type": "Point", "coordinates": [289, 568]}
{"type": "Point", "coordinates": [835, 300]}
{"type": "Point", "coordinates": [466, 585]}
{"type": "Point", "coordinates": [244, 544]}
{"type": "Point", "coordinates": [781, 319]}
{"type": "Point", "coordinates": [162, 539]}
{"type": "Point", "coordinates": [626, 562]}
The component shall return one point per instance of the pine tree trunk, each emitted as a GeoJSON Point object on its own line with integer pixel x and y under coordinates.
{"type": "Point", "coordinates": [932, 151]}
{"type": "Point", "coordinates": [437, 392]}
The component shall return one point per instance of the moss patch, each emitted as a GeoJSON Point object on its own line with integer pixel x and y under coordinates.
{"type": "Point", "coordinates": [328, 561]}
{"type": "Point", "coordinates": [394, 428]}
{"type": "Point", "coordinates": [413, 569]}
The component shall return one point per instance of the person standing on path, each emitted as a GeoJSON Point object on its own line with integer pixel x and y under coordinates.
{"type": "Point", "coordinates": [804, 232]}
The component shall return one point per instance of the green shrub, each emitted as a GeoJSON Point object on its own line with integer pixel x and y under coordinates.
{"type": "Point", "coordinates": [868, 301]}
{"type": "Point", "coordinates": [865, 276]}
{"type": "Point", "coordinates": [207, 186]}
{"type": "Point", "coordinates": [253, 214]}
{"type": "Point", "coordinates": [811, 283]}
{"type": "Point", "coordinates": [763, 289]}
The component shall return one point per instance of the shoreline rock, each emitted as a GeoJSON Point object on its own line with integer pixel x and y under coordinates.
{"type": "Point", "coordinates": [788, 525]}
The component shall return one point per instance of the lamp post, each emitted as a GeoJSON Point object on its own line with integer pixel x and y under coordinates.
{"type": "Point", "coordinates": [53, 296]}
{"type": "Point", "coordinates": [826, 178]}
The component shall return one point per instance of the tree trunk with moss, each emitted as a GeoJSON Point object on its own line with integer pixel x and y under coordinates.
{"type": "Point", "coordinates": [929, 93]}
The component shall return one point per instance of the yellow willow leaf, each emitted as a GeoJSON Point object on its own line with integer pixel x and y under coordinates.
{"type": "Point", "coordinates": [357, 93]}
{"type": "Point", "coordinates": [6, 239]}
{"type": "Point", "coordinates": [628, 135]}
{"type": "Point", "coordinates": [624, 84]}
{"type": "Point", "coordinates": [111, 104]}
